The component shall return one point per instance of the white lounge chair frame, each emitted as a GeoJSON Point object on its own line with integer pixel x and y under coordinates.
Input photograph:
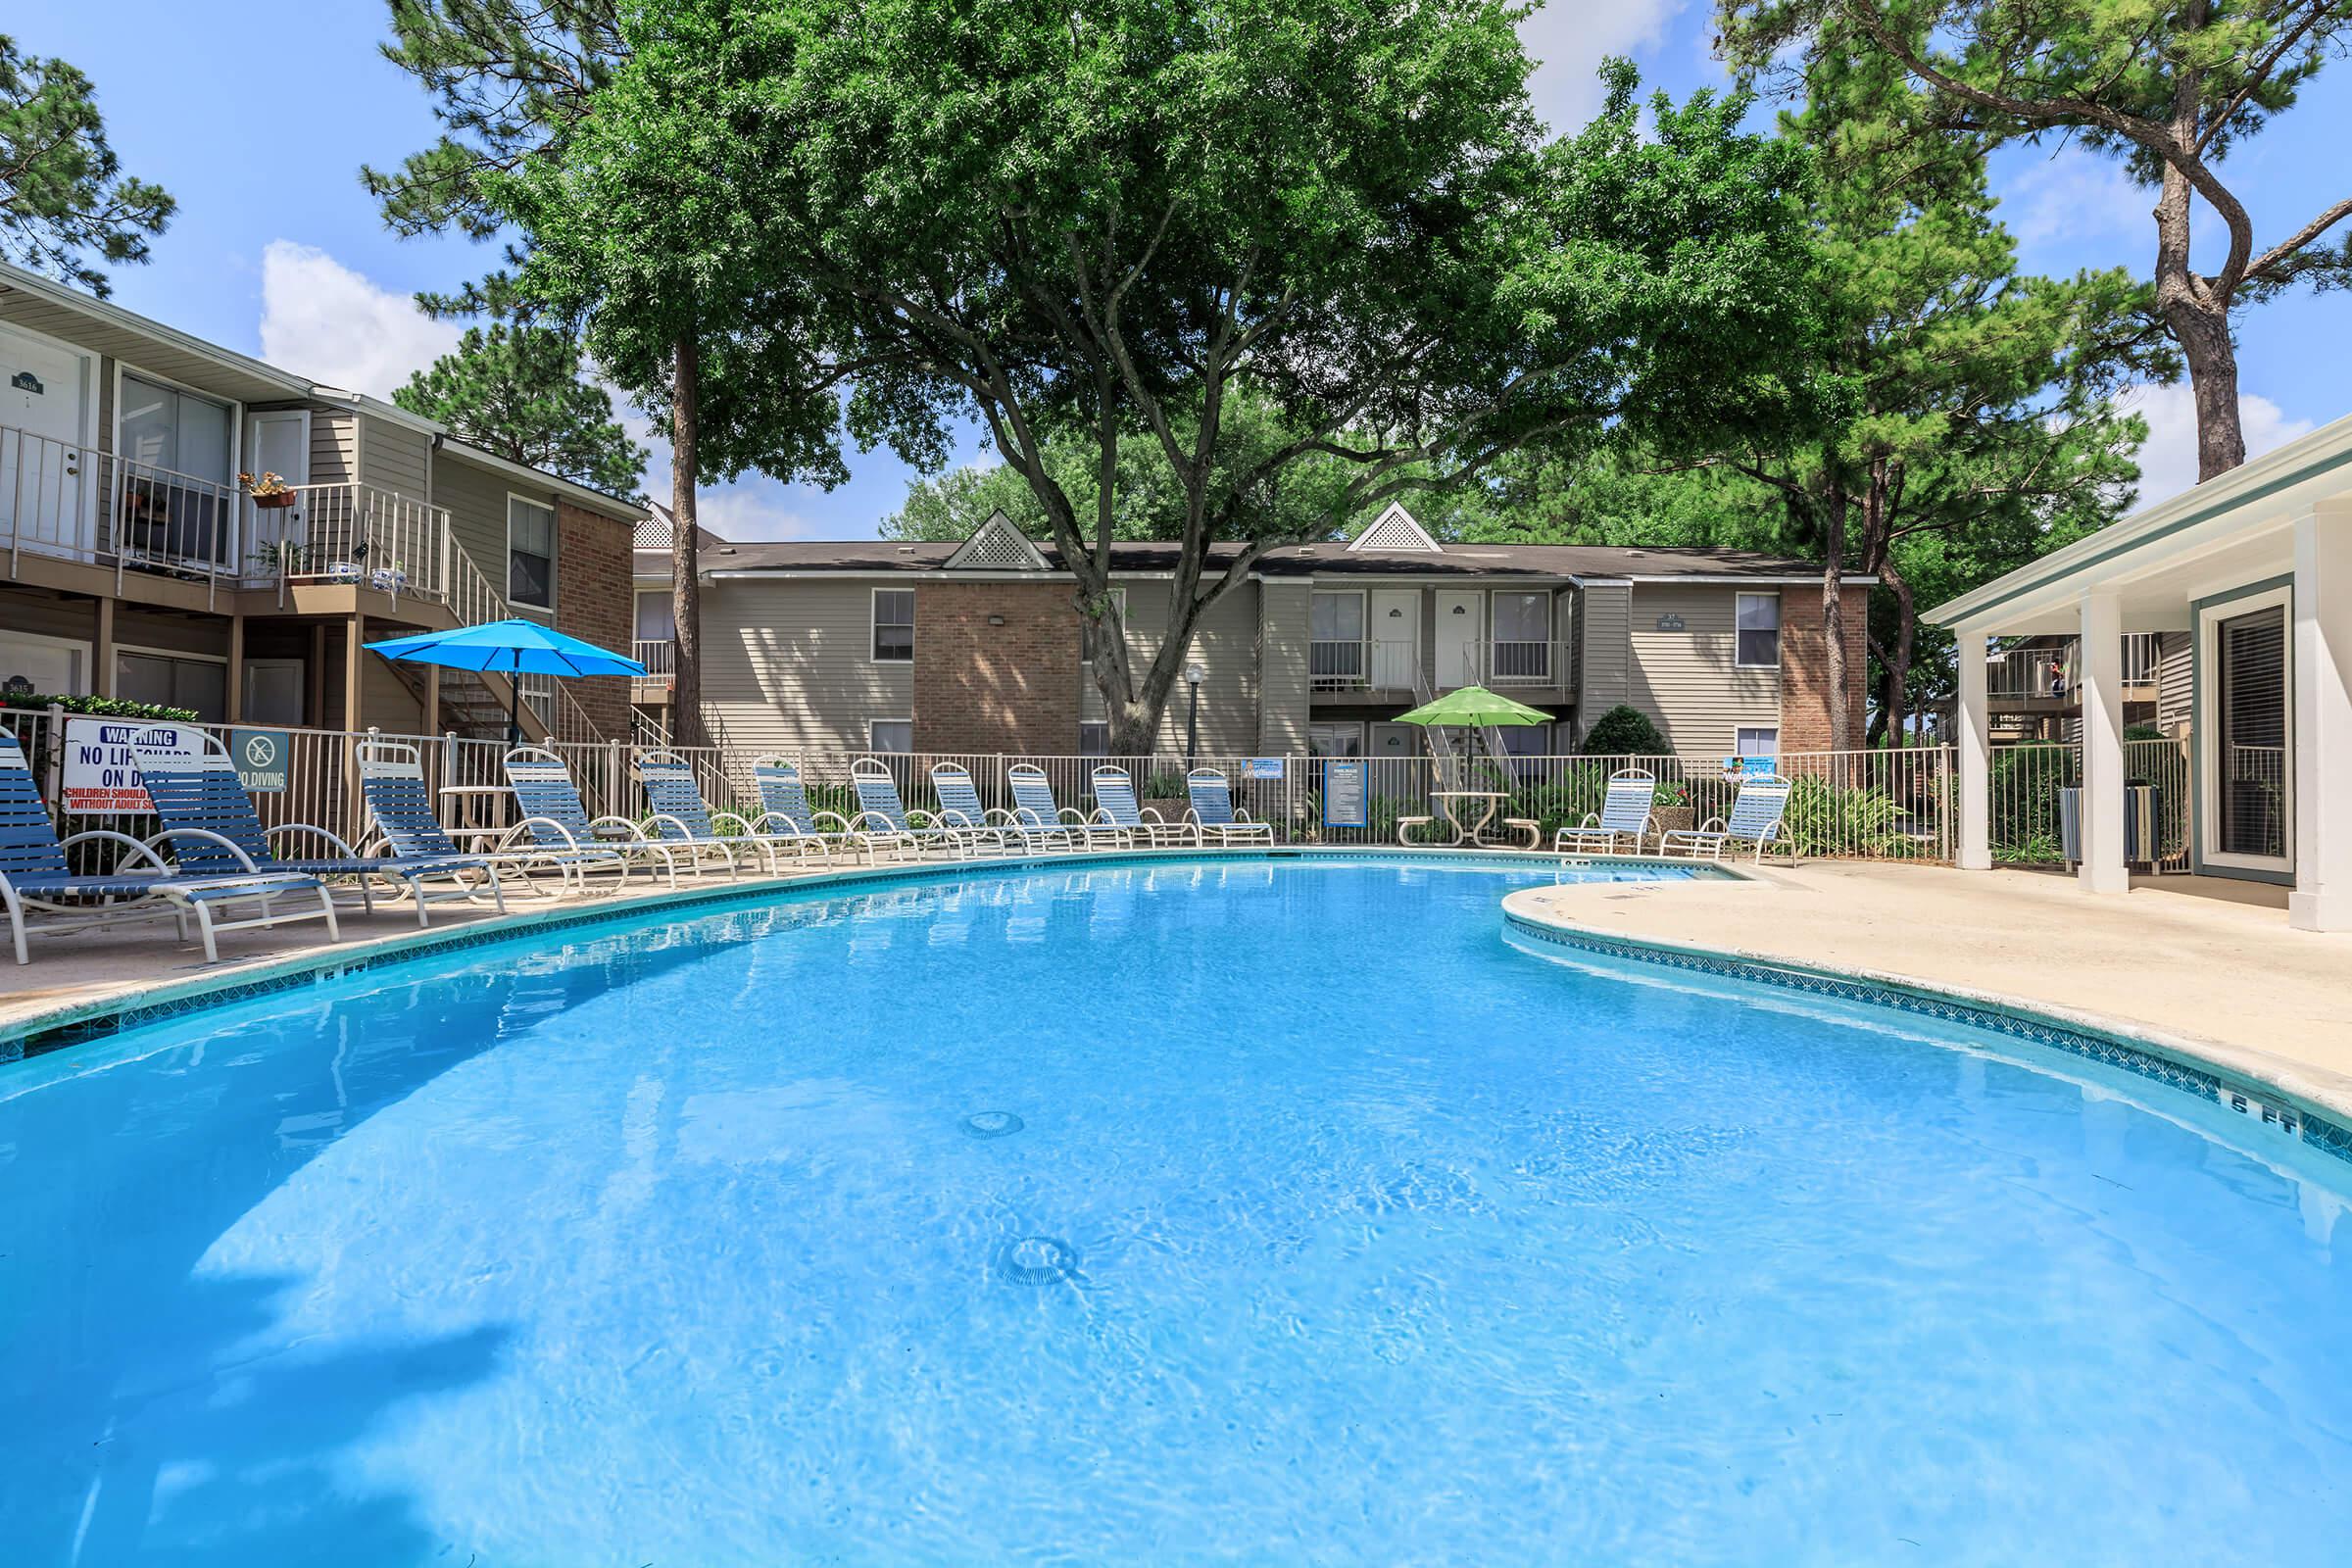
{"type": "Point", "coordinates": [1211, 784]}
{"type": "Point", "coordinates": [1600, 832]}
{"type": "Point", "coordinates": [1757, 812]}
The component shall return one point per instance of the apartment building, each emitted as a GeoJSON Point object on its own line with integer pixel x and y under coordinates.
{"type": "Point", "coordinates": [853, 646]}
{"type": "Point", "coordinates": [134, 565]}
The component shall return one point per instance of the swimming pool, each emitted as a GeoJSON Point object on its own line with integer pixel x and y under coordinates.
{"type": "Point", "coordinates": [1246, 1209]}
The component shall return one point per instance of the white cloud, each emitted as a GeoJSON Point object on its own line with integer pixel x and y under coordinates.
{"type": "Point", "coordinates": [1568, 40]}
{"type": "Point", "coordinates": [753, 510]}
{"type": "Point", "coordinates": [2167, 462]}
{"type": "Point", "coordinates": [323, 321]}
{"type": "Point", "coordinates": [2076, 194]}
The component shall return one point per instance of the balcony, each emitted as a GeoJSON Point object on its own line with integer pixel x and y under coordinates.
{"type": "Point", "coordinates": [657, 658]}
{"type": "Point", "coordinates": [76, 503]}
{"type": "Point", "coordinates": [2048, 673]}
{"type": "Point", "coordinates": [1353, 665]}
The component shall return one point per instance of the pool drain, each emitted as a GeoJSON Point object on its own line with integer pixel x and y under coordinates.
{"type": "Point", "coordinates": [993, 1123]}
{"type": "Point", "coordinates": [1036, 1260]}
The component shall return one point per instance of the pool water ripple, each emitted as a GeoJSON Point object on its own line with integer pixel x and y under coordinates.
{"type": "Point", "coordinates": [1336, 1230]}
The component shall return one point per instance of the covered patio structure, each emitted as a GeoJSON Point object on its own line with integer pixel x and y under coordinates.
{"type": "Point", "coordinates": [2256, 567]}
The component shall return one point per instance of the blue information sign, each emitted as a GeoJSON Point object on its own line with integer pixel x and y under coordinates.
{"type": "Point", "coordinates": [1263, 767]}
{"type": "Point", "coordinates": [1343, 794]}
{"type": "Point", "coordinates": [260, 757]}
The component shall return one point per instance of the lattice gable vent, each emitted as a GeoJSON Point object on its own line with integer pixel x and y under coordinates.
{"type": "Point", "coordinates": [1395, 529]}
{"type": "Point", "coordinates": [998, 546]}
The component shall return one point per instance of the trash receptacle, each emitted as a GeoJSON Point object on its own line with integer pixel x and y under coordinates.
{"type": "Point", "coordinates": [2140, 838]}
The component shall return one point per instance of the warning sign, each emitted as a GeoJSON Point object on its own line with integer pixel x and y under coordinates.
{"type": "Point", "coordinates": [101, 772]}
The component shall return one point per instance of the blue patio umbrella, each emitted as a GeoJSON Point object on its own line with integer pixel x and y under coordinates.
{"type": "Point", "coordinates": [509, 648]}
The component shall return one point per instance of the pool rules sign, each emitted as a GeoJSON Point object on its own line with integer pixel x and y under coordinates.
{"type": "Point", "coordinates": [102, 774]}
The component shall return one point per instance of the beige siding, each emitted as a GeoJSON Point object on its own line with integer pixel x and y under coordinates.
{"type": "Point", "coordinates": [788, 665]}
{"type": "Point", "coordinates": [334, 447]}
{"type": "Point", "coordinates": [476, 499]}
{"type": "Point", "coordinates": [393, 456]}
{"type": "Point", "coordinates": [1226, 645]}
{"type": "Point", "coordinates": [170, 633]}
{"type": "Point", "coordinates": [1685, 680]}
{"type": "Point", "coordinates": [385, 700]}
{"type": "Point", "coordinates": [1282, 646]}
{"type": "Point", "coordinates": [1605, 653]}
{"type": "Point", "coordinates": [2172, 671]}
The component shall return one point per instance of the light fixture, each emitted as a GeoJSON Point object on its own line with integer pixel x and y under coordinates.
{"type": "Point", "coordinates": [996, 621]}
{"type": "Point", "coordinates": [1194, 675]}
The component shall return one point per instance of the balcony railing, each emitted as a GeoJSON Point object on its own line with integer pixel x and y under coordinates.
{"type": "Point", "coordinates": [2052, 673]}
{"type": "Point", "coordinates": [657, 658]}
{"type": "Point", "coordinates": [1394, 666]}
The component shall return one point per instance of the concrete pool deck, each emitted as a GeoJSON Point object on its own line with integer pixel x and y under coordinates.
{"type": "Point", "coordinates": [2211, 977]}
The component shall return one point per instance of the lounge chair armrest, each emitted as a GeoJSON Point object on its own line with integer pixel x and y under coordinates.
{"type": "Point", "coordinates": [269, 836]}
{"type": "Point", "coordinates": [126, 840]}
{"type": "Point", "coordinates": [1071, 816]}
{"type": "Point", "coordinates": [819, 819]}
{"type": "Point", "coordinates": [203, 835]}
{"type": "Point", "coordinates": [879, 824]}
{"type": "Point", "coordinates": [1001, 818]}
{"type": "Point", "coordinates": [1150, 813]}
{"type": "Point", "coordinates": [1714, 824]}
{"type": "Point", "coordinates": [658, 819]}
{"type": "Point", "coordinates": [521, 833]}
{"type": "Point", "coordinates": [1592, 819]}
{"type": "Point", "coordinates": [635, 831]}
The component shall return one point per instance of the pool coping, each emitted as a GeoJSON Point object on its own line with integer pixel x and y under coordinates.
{"type": "Point", "coordinates": [2310, 1104]}
{"type": "Point", "coordinates": [70, 1022]}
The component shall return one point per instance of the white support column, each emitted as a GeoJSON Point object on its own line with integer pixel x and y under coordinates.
{"type": "Point", "coordinates": [2320, 672]}
{"type": "Point", "coordinates": [2102, 689]}
{"type": "Point", "coordinates": [1976, 756]}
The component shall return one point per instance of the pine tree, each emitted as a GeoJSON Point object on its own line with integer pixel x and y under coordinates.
{"type": "Point", "coordinates": [63, 191]}
{"type": "Point", "coordinates": [516, 389]}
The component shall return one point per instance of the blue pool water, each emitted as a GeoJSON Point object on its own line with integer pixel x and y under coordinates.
{"type": "Point", "coordinates": [1253, 1211]}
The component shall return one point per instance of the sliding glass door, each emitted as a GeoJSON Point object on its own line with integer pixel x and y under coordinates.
{"type": "Point", "coordinates": [2249, 749]}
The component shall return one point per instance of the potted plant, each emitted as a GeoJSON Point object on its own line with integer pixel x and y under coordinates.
{"type": "Point", "coordinates": [1671, 808]}
{"type": "Point", "coordinates": [389, 580]}
{"type": "Point", "coordinates": [268, 491]}
{"type": "Point", "coordinates": [279, 558]}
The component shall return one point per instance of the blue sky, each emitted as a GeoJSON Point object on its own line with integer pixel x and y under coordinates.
{"type": "Point", "coordinates": [256, 116]}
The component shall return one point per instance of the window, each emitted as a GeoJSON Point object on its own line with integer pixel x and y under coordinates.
{"type": "Point", "coordinates": [174, 681]}
{"type": "Point", "coordinates": [1093, 737]}
{"type": "Point", "coordinates": [1523, 637]}
{"type": "Point", "coordinates": [2251, 704]}
{"type": "Point", "coordinates": [1757, 742]}
{"type": "Point", "coordinates": [894, 626]}
{"type": "Point", "coordinates": [1759, 631]}
{"type": "Point", "coordinates": [530, 553]}
{"type": "Point", "coordinates": [1335, 740]}
{"type": "Point", "coordinates": [178, 476]}
{"type": "Point", "coordinates": [890, 734]}
{"type": "Point", "coordinates": [1336, 634]}
{"type": "Point", "coordinates": [655, 618]}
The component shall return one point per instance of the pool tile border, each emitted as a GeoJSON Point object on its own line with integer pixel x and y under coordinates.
{"type": "Point", "coordinates": [70, 1024]}
{"type": "Point", "coordinates": [2112, 1050]}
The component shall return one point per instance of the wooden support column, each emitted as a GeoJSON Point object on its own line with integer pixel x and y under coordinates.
{"type": "Point", "coordinates": [102, 680]}
{"type": "Point", "coordinates": [432, 700]}
{"type": "Point", "coordinates": [236, 670]}
{"type": "Point", "coordinates": [314, 703]}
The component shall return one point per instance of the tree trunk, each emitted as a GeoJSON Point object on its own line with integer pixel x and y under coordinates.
{"type": "Point", "coordinates": [2194, 313]}
{"type": "Point", "coordinates": [1832, 620]}
{"type": "Point", "coordinates": [1898, 657]}
{"type": "Point", "coordinates": [685, 581]}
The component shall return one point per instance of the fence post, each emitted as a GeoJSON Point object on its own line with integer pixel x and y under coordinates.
{"type": "Point", "coordinates": [55, 764]}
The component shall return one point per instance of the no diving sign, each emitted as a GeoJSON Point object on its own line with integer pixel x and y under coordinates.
{"type": "Point", "coordinates": [261, 758]}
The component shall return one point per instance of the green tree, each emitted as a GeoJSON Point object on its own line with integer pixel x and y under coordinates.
{"type": "Point", "coordinates": [516, 389]}
{"type": "Point", "coordinates": [63, 192]}
{"type": "Point", "coordinates": [2171, 86]}
{"type": "Point", "coordinates": [1315, 255]}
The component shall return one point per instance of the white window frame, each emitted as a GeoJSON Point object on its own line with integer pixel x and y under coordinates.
{"type": "Point", "coordinates": [553, 557]}
{"type": "Point", "coordinates": [2207, 729]}
{"type": "Point", "coordinates": [873, 622]}
{"type": "Point", "coordinates": [1102, 724]}
{"type": "Point", "coordinates": [635, 595]}
{"type": "Point", "coordinates": [877, 747]}
{"type": "Point", "coordinates": [1739, 746]}
{"type": "Point", "coordinates": [235, 408]}
{"type": "Point", "coordinates": [1362, 740]}
{"type": "Point", "coordinates": [1777, 627]}
{"type": "Point", "coordinates": [1363, 609]}
{"type": "Point", "coordinates": [82, 647]}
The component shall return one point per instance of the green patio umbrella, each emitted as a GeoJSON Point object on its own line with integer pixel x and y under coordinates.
{"type": "Point", "coordinates": [1473, 707]}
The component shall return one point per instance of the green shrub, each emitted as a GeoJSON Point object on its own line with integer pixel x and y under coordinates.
{"type": "Point", "coordinates": [1823, 819]}
{"type": "Point", "coordinates": [2025, 781]}
{"type": "Point", "coordinates": [100, 707]}
{"type": "Point", "coordinates": [1624, 731]}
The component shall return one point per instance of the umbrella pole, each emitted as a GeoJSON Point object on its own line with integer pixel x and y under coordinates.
{"type": "Point", "coordinates": [515, 706]}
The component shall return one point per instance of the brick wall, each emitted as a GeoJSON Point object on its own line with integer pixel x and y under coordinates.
{"type": "Point", "coordinates": [988, 688]}
{"type": "Point", "coordinates": [596, 602]}
{"type": "Point", "coordinates": [1806, 724]}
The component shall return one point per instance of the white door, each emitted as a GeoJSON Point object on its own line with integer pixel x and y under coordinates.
{"type": "Point", "coordinates": [273, 690]}
{"type": "Point", "coordinates": [277, 442]}
{"type": "Point", "coordinates": [45, 408]}
{"type": "Point", "coordinates": [1395, 637]}
{"type": "Point", "coordinates": [1461, 632]}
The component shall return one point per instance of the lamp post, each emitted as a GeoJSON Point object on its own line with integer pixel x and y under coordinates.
{"type": "Point", "coordinates": [1194, 675]}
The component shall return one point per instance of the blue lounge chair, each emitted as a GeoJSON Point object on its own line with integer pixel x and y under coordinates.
{"type": "Point", "coordinates": [1115, 806]}
{"type": "Point", "coordinates": [959, 805]}
{"type": "Point", "coordinates": [1625, 813]}
{"type": "Point", "coordinates": [37, 881]}
{"type": "Point", "coordinates": [400, 814]}
{"type": "Point", "coordinates": [1043, 819]}
{"type": "Point", "coordinates": [785, 811]}
{"type": "Point", "coordinates": [211, 829]}
{"type": "Point", "coordinates": [681, 814]}
{"type": "Point", "coordinates": [883, 815]}
{"type": "Point", "coordinates": [1755, 822]}
{"type": "Point", "coordinates": [553, 818]}
{"type": "Point", "coordinates": [1213, 814]}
